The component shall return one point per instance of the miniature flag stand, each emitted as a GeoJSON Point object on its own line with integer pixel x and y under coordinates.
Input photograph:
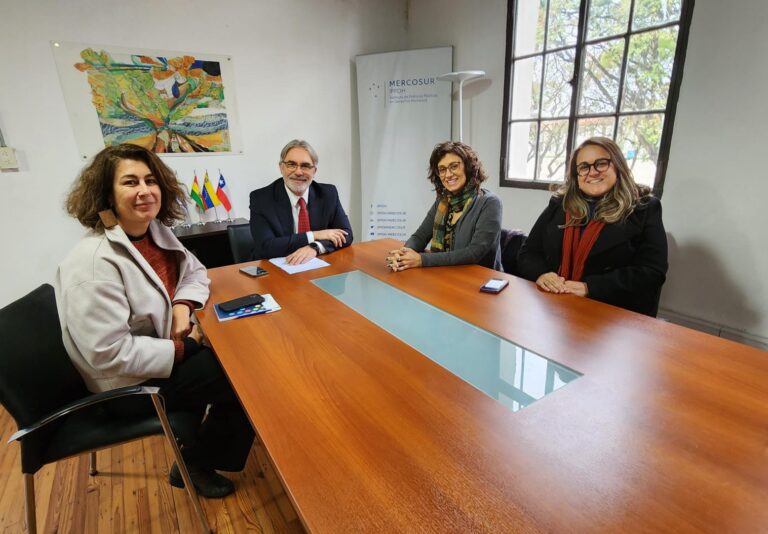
{"type": "Point", "coordinates": [206, 197]}
{"type": "Point", "coordinates": [223, 196]}
{"type": "Point", "coordinates": [209, 197]}
{"type": "Point", "coordinates": [182, 201]}
{"type": "Point", "coordinates": [198, 199]}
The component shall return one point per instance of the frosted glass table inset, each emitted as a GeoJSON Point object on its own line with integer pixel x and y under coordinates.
{"type": "Point", "coordinates": [506, 372]}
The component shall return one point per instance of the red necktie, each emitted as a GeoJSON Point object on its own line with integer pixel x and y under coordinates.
{"type": "Point", "coordinates": [303, 217]}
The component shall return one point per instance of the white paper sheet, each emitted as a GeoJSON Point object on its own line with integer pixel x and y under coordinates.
{"type": "Point", "coordinates": [314, 263]}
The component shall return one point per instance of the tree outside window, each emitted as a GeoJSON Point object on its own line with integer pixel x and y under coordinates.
{"type": "Point", "coordinates": [580, 68]}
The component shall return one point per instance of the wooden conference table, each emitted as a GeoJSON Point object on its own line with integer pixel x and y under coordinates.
{"type": "Point", "coordinates": [666, 429]}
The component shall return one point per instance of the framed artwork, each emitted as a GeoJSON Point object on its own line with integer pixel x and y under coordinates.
{"type": "Point", "coordinates": [173, 103]}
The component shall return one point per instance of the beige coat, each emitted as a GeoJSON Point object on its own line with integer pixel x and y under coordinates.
{"type": "Point", "coordinates": [114, 311]}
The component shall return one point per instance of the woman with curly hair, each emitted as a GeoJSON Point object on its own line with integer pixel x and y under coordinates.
{"type": "Point", "coordinates": [601, 236]}
{"type": "Point", "coordinates": [463, 225]}
{"type": "Point", "coordinates": [125, 295]}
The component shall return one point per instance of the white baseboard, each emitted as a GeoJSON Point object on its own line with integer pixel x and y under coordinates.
{"type": "Point", "coordinates": [725, 332]}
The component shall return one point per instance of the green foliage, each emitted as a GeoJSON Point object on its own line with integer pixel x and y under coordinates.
{"type": "Point", "coordinates": [650, 58]}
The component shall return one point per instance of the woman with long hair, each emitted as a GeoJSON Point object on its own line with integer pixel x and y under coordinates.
{"type": "Point", "coordinates": [601, 236]}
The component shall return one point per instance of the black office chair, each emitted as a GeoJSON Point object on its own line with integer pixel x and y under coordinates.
{"type": "Point", "coordinates": [56, 415]}
{"type": "Point", "coordinates": [240, 242]}
{"type": "Point", "coordinates": [511, 241]}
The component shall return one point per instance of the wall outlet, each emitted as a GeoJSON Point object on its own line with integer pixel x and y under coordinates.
{"type": "Point", "coordinates": [8, 158]}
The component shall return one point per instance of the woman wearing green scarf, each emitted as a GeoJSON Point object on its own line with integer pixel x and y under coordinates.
{"type": "Point", "coordinates": [463, 225]}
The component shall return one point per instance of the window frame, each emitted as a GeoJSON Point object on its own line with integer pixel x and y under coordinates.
{"type": "Point", "coordinates": [676, 78]}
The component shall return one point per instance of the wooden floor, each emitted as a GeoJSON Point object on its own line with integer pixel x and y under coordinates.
{"type": "Point", "coordinates": [131, 494]}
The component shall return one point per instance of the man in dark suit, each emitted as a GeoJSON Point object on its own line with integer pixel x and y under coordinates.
{"type": "Point", "coordinates": [294, 216]}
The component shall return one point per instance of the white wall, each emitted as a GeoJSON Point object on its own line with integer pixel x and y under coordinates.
{"type": "Point", "coordinates": [477, 30]}
{"type": "Point", "coordinates": [293, 75]}
{"type": "Point", "coordinates": [716, 180]}
{"type": "Point", "coordinates": [716, 187]}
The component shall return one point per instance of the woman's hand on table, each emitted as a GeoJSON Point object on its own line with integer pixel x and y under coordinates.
{"type": "Point", "coordinates": [576, 288]}
{"type": "Point", "coordinates": [554, 283]}
{"type": "Point", "coordinates": [551, 283]}
{"type": "Point", "coordinates": [403, 258]}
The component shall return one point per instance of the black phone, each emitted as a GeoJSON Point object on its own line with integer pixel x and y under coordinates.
{"type": "Point", "coordinates": [253, 270]}
{"type": "Point", "coordinates": [241, 302]}
{"type": "Point", "coordinates": [494, 285]}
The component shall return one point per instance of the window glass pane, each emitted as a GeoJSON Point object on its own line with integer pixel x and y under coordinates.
{"type": "Point", "coordinates": [558, 71]}
{"type": "Point", "coordinates": [639, 137]}
{"type": "Point", "coordinates": [526, 88]}
{"type": "Point", "coordinates": [655, 12]}
{"type": "Point", "coordinates": [522, 150]}
{"type": "Point", "coordinates": [622, 86]}
{"type": "Point", "coordinates": [600, 77]}
{"type": "Point", "coordinates": [551, 164]}
{"type": "Point", "coordinates": [529, 26]}
{"type": "Point", "coordinates": [563, 26]}
{"type": "Point", "coordinates": [649, 70]}
{"type": "Point", "coordinates": [607, 17]}
{"type": "Point", "coordinates": [586, 128]}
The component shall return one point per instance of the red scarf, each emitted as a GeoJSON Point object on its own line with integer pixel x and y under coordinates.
{"type": "Point", "coordinates": [576, 247]}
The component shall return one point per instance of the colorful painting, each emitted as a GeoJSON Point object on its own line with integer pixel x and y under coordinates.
{"type": "Point", "coordinates": [164, 104]}
{"type": "Point", "coordinates": [169, 102]}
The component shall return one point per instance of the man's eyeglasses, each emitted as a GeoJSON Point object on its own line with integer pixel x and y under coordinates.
{"type": "Point", "coordinates": [291, 166]}
{"type": "Point", "coordinates": [600, 165]}
{"type": "Point", "coordinates": [453, 167]}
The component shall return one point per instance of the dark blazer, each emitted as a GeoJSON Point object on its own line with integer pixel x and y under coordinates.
{"type": "Point", "coordinates": [272, 219]}
{"type": "Point", "coordinates": [627, 265]}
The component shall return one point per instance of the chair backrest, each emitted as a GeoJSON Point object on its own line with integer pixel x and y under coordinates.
{"type": "Point", "coordinates": [36, 374]}
{"type": "Point", "coordinates": [240, 242]}
{"type": "Point", "coordinates": [511, 241]}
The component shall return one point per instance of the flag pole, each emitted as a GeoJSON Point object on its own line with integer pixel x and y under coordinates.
{"type": "Point", "coordinates": [211, 195]}
{"type": "Point", "coordinates": [199, 208]}
{"type": "Point", "coordinates": [183, 202]}
{"type": "Point", "coordinates": [187, 219]}
{"type": "Point", "coordinates": [200, 211]}
{"type": "Point", "coordinates": [229, 217]}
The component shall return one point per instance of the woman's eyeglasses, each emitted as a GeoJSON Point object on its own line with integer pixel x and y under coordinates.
{"type": "Point", "coordinates": [600, 165]}
{"type": "Point", "coordinates": [453, 167]}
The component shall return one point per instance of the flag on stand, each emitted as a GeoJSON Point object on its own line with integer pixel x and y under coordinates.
{"type": "Point", "coordinates": [195, 194]}
{"type": "Point", "coordinates": [209, 195]}
{"type": "Point", "coordinates": [183, 204]}
{"type": "Point", "coordinates": [222, 193]}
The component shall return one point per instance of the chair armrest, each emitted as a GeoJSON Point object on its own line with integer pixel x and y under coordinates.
{"type": "Point", "coordinates": [96, 398]}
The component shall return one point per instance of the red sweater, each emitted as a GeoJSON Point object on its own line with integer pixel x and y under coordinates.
{"type": "Point", "coordinates": [166, 265]}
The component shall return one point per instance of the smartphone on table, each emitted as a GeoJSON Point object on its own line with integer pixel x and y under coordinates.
{"type": "Point", "coordinates": [253, 270]}
{"type": "Point", "coordinates": [241, 302]}
{"type": "Point", "coordinates": [494, 285]}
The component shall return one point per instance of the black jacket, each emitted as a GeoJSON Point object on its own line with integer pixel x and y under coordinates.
{"type": "Point", "coordinates": [627, 265]}
{"type": "Point", "coordinates": [272, 219]}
